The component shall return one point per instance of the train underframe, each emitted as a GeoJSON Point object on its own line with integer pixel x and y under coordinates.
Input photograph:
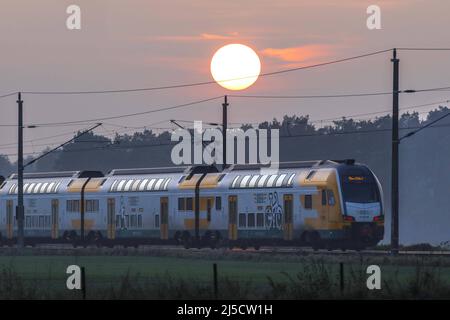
{"type": "Point", "coordinates": [356, 237]}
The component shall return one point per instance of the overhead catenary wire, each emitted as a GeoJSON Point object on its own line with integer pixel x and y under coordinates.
{"type": "Point", "coordinates": [176, 86]}
{"type": "Point", "coordinates": [94, 120]}
{"type": "Point", "coordinates": [130, 114]}
{"type": "Point", "coordinates": [8, 94]}
{"type": "Point", "coordinates": [201, 83]}
{"type": "Point", "coordinates": [151, 126]}
{"type": "Point", "coordinates": [169, 142]}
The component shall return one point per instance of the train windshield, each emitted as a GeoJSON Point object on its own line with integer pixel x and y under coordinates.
{"type": "Point", "coordinates": [360, 189]}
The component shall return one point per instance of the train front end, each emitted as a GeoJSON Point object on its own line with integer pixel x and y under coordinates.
{"type": "Point", "coordinates": [362, 205]}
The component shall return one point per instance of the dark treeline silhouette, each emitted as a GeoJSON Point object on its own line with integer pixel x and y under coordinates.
{"type": "Point", "coordinates": [424, 160]}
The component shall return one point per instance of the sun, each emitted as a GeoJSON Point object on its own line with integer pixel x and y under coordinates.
{"type": "Point", "coordinates": [235, 66]}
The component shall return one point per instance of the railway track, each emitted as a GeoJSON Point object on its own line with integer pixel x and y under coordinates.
{"type": "Point", "coordinates": [148, 250]}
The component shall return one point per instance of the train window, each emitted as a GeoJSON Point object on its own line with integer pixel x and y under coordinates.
{"type": "Point", "coordinates": [135, 185]}
{"type": "Point", "coordinates": [73, 206]}
{"type": "Point", "coordinates": [262, 180]}
{"type": "Point", "coordinates": [30, 188]}
{"type": "Point", "coordinates": [280, 179]}
{"type": "Point", "coordinates": [158, 184]}
{"type": "Point", "coordinates": [117, 221]}
{"type": "Point", "coordinates": [28, 221]}
{"type": "Point", "coordinates": [331, 200]}
{"type": "Point", "coordinates": [189, 204]}
{"type": "Point", "coordinates": [310, 174]}
{"type": "Point", "coordinates": [50, 187]}
{"type": "Point", "coordinates": [324, 198]}
{"type": "Point", "coordinates": [92, 206]}
{"type": "Point", "coordinates": [150, 184]}
{"type": "Point", "coordinates": [36, 188]}
{"type": "Point", "coordinates": [47, 221]}
{"type": "Point", "coordinates": [128, 185]}
{"type": "Point", "coordinates": [253, 181]}
{"type": "Point", "coordinates": [244, 181]}
{"type": "Point", "coordinates": [139, 221]}
{"type": "Point", "coordinates": [156, 220]}
{"type": "Point", "coordinates": [291, 179]}
{"type": "Point", "coordinates": [233, 184]}
{"type": "Point", "coordinates": [56, 187]}
{"type": "Point", "coordinates": [166, 184]}
{"type": "Point", "coordinates": [218, 203]}
{"type": "Point", "coordinates": [208, 209]}
{"type": "Point", "coordinates": [308, 201]}
{"type": "Point", "coordinates": [34, 221]}
{"type": "Point", "coordinates": [120, 185]}
{"type": "Point", "coordinates": [270, 182]}
{"type": "Point", "coordinates": [181, 204]}
{"type": "Point", "coordinates": [242, 220]}
{"type": "Point", "coordinates": [251, 220]}
{"type": "Point", "coordinates": [133, 222]}
{"type": "Point", "coordinates": [44, 187]}
{"type": "Point", "coordinates": [127, 221]}
{"type": "Point", "coordinates": [260, 219]}
{"type": "Point", "coordinates": [143, 185]}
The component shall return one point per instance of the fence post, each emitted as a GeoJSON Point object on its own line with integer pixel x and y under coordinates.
{"type": "Point", "coordinates": [216, 286]}
{"type": "Point", "coordinates": [341, 276]}
{"type": "Point", "coordinates": [83, 283]}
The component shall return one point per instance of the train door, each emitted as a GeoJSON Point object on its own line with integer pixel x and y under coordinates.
{"type": "Point", "coordinates": [164, 216]}
{"type": "Point", "coordinates": [232, 217]}
{"type": "Point", "coordinates": [288, 217]}
{"type": "Point", "coordinates": [323, 208]}
{"type": "Point", "coordinates": [111, 219]}
{"type": "Point", "coordinates": [9, 219]}
{"type": "Point", "coordinates": [55, 218]}
{"type": "Point", "coordinates": [209, 203]}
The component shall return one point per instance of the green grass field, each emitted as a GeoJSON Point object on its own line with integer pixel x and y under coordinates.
{"type": "Point", "coordinates": [241, 276]}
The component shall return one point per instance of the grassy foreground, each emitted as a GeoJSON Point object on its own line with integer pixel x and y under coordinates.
{"type": "Point", "coordinates": [189, 276]}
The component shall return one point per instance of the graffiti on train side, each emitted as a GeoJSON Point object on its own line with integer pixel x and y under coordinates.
{"type": "Point", "coordinates": [269, 204]}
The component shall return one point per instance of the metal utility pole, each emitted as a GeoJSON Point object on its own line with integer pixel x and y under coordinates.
{"type": "Point", "coordinates": [224, 130]}
{"type": "Point", "coordinates": [20, 206]}
{"type": "Point", "coordinates": [395, 162]}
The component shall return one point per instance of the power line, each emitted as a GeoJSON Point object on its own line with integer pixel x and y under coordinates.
{"type": "Point", "coordinates": [346, 95]}
{"type": "Point", "coordinates": [169, 142]}
{"type": "Point", "coordinates": [8, 95]}
{"type": "Point", "coordinates": [425, 126]}
{"type": "Point", "coordinates": [335, 118]}
{"type": "Point", "coordinates": [176, 86]}
{"type": "Point", "coordinates": [184, 85]}
{"type": "Point", "coordinates": [86, 121]}
{"type": "Point", "coordinates": [349, 95]}
{"type": "Point", "coordinates": [41, 139]}
{"type": "Point", "coordinates": [423, 49]}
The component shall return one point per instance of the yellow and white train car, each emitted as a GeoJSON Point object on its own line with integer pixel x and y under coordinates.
{"type": "Point", "coordinates": [335, 204]}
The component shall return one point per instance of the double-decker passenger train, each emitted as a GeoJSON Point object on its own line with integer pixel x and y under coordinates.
{"type": "Point", "coordinates": [330, 204]}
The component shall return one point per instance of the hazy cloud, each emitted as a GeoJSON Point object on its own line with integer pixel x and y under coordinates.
{"type": "Point", "coordinates": [200, 37]}
{"type": "Point", "coordinates": [298, 54]}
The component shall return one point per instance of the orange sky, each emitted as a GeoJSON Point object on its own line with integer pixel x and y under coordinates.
{"type": "Point", "coordinates": [152, 43]}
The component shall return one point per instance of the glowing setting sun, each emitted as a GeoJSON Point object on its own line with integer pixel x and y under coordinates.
{"type": "Point", "coordinates": [235, 66]}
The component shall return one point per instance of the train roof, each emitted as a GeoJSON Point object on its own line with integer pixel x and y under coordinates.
{"type": "Point", "coordinates": [167, 178]}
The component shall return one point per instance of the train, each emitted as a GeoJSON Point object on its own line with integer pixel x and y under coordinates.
{"type": "Point", "coordinates": [334, 204]}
